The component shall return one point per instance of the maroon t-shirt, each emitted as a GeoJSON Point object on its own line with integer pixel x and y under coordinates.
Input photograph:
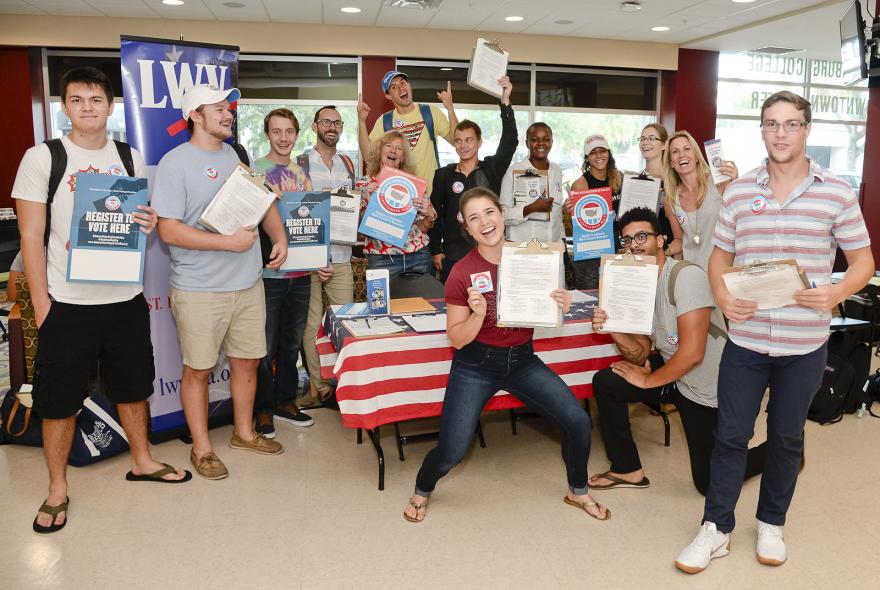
{"type": "Point", "coordinates": [456, 293]}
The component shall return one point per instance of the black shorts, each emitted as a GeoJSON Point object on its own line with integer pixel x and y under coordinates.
{"type": "Point", "coordinates": [75, 340]}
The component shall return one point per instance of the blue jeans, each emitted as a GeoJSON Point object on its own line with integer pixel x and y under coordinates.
{"type": "Point", "coordinates": [287, 308]}
{"type": "Point", "coordinates": [418, 261]}
{"type": "Point", "coordinates": [478, 372]}
{"type": "Point", "coordinates": [743, 376]}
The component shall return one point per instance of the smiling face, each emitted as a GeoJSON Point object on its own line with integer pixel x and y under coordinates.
{"type": "Point", "coordinates": [484, 221]}
{"type": "Point", "coordinates": [214, 119]}
{"type": "Point", "coordinates": [682, 156]}
{"type": "Point", "coordinates": [391, 154]}
{"type": "Point", "coordinates": [598, 158]}
{"type": "Point", "coordinates": [651, 144]}
{"type": "Point", "coordinates": [653, 244]}
{"type": "Point", "coordinates": [87, 106]}
{"type": "Point", "coordinates": [467, 146]}
{"type": "Point", "coordinates": [282, 136]}
{"type": "Point", "coordinates": [540, 142]}
{"type": "Point", "coordinates": [785, 146]}
{"type": "Point", "coordinates": [329, 136]}
{"type": "Point", "coordinates": [399, 92]}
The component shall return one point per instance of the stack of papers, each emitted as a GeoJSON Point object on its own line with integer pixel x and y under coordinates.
{"type": "Point", "coordinates": [371, 327]}
{"type": "Point", "coordinates": [352, 310]}
{"type": "Point", "coordinates": [426, 323]}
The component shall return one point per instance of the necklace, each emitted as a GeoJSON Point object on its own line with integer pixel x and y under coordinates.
{"type": "Point", "coordinates": [687, 219]}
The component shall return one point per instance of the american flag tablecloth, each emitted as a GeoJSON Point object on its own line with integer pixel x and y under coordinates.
{"type": "Point", "coordinates": [403, 376]}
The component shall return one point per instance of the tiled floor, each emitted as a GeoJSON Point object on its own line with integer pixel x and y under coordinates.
{"type": "Point", "coordinates": [312, 518]}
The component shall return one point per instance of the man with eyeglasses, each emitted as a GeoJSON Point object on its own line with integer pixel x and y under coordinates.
{"type": "Point", "coordinates": [287, 298]}
{"type": "Point", "coordinates": [788, 207]}
{"type": "Point", "coordinates": [687, 341]}
{"type": "Point", "coordinates": [328, 170]}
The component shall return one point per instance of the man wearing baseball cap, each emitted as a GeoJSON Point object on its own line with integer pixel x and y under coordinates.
{"type": "Point", "coordinates": [216, 280]}
{"type": "Point", "coordinates": [421, 124]}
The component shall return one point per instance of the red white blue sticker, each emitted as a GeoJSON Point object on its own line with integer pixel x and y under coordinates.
{"type": "Point", "coordinates": [112, 203]}
{"type": "Point", "coordinates": [116, 170]}
{"type": "Point", "coordinates": [303, 211]}
{"type": "Point", "coordinates": [457, 186]}
{"type": "Point", "coordinates": [680, 218]}
{"type": "Point", "coordinates": [459, 217]}
{"type": "Point", "coordinates": [672, 339]}
{"type": "Point", "coordinates": [758, 204]}
{"type": "Point", "coordinates": [482, 281]}
{"type": "Point", "coordinates": [211, 172]}
{"type": "Point", "coordinates": [396, 194]}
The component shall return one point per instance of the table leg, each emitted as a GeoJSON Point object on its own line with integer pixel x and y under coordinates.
{"type": "Point", "coordinates": [480, 435]}
{"type": "Point", "coordinates": [400, 442]}
{"type": "Point", "coordinates": [360, 436]}
{"type": "Point", "coordinates": [380, 455]}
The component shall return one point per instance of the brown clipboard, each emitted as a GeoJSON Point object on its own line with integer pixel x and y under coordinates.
{"type": "Point", "coordinates": [411, 305]}
{"type": "Point", "coordinates": [535, 247]}
{"type": "Point", "coordinates": [625, 259]}
{"type": "Point", "coordinates": [761, 266]}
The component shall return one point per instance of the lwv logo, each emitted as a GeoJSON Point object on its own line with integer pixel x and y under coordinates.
{"type": "Point", "coordinates": [179, 77]}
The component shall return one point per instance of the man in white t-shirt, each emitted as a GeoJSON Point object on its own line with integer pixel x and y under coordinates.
{"type": "Point", "coordinates": [83, 324]}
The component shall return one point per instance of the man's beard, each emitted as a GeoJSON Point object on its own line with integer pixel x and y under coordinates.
{"type": "Point", "coordinates": [322, 135]}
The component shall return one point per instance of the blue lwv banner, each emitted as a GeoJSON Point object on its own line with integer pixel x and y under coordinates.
{"type": "Point", "coordinates": [155, 74]}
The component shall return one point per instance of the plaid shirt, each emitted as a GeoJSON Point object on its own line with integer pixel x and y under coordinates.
{"type": "Point", "coordinates": [819, 215]}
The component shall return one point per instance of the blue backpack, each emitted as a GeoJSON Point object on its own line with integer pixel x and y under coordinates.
{"type": "Point", "coordinates": [388, 125]}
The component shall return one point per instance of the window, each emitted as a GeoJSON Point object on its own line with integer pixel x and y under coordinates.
{"type": "Point", "coordinates": [570, 88]}
{"type": "Point", "coordinates": [837, 138]}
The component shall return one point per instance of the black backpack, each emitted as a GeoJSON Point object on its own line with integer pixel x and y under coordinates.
{"type": "Point", "coordinates": [843, 388]}
{"type": "Point", "coordinates": [58, 157]}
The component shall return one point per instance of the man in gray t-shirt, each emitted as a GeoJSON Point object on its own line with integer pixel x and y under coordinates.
{"type": "Point", "coordinates": [216, 280]}
{"type": "Point", "coordinates": [687, 340]}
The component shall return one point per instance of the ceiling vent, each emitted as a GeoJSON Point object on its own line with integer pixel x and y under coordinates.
{"type": "Point", "coordinates": [776, 50]}
{"type": "Point", "coordinates": [420, 4]}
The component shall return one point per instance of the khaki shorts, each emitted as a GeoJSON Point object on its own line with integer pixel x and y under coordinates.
{"type": "Point", "coordinates": [207, 319]}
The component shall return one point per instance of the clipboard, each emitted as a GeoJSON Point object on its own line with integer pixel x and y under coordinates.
{"type": "Point", "coordinates": [753, 282]}
{"type": "Point", "coordinates": [626, 197]}
{"type": "Point", "coordinates": [521, 199]}
{"type": "Point", "coordinates": [532, 247]}
{"type": "Point", "coordinates": [627, 305]}
{"type": "Point", "coordinates": [484, 79]}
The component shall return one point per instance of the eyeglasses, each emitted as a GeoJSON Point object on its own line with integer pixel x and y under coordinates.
{"type": "Point", "coordinates": [640, 238]}
{"type": "Point", "coordinates": [790, 125]}
{"type": "Point", "coordinates": [330, 123]}
{"type": "Point", "coordinates": [648, 138]}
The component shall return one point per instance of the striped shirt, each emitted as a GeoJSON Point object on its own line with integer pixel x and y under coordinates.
{"type": "Point", "coordinates": [819, 215]}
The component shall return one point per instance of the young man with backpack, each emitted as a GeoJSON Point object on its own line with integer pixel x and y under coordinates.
{"type": "Point", "coordinates": [788, 207]}
{"type": "Point", "coordinates": [688, 339]}
{"type": "Point", "coordinates": [83, 325]}
{"type": "Point", "coordinates": [420, 124]}
{"type": "Point", "coordinates": [329, 171]}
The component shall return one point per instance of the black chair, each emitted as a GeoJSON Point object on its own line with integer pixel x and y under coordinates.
{"type": "Point", "coordinates": [416, 284]}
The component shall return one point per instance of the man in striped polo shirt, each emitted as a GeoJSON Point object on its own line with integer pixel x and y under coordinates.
{"type": "Point", "coordinates": [789, 207]}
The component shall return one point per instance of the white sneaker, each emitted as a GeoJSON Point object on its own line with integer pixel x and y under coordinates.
{"type": "Point", "coordinates": [709, 543]}
{"type": "Point", "coordinates": [771, 546]}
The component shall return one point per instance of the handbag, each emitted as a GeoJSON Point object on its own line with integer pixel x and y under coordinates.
{"type": "Point", "coordinates": [98, 434]}
{"type": "Point", "coordinates": [19, 422]}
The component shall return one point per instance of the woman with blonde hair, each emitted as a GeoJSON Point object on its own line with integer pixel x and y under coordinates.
{"type": "Point", "coordinates": [391, 151]}
{"type": "Point", "coordinates": [692, 200]}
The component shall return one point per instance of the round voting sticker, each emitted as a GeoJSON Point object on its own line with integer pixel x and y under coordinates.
{"type": "Point", "coordinates": [211, 172]}
{"type": "Point", "coordinates": [680, 218]}
{"type": "Point", "coordinates": [457, 187]}
{"type": "Point", "coordinates": [591, 212]}
{"type": "Point", "coordinates": [116, 170]}
{"type": "Point", "coordinates": [758, 204]}
{"type": "Point", "coordinates": [112, 203]}
{"type": "Point", "coordinates": [481, 281]}
{"type": "Point", "coordinates": [459, 217]}
{"type": "Point", "coordinates": [398, 123]}
{"type": "Point", "coordinates": [396, 194]}
{"type": "Point", "coordinates": [672, 339]}
{"type": "Point", "coordinates": [303, 211]}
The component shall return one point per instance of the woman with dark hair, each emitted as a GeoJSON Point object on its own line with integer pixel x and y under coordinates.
{"type": "Point", "coordinates": [489, 358]}
{"type": "Point", "coordinates": [600, 171]}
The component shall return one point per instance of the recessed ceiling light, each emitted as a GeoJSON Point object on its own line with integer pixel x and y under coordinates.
{"type": "Point", "coordinates": [233, 5]}
{"type": "Point", "coordinates": [351, 9]}
{"type": "Point", "coordinates": [659, 29]}
{"type": "Point", "coordinates": [445, 69]}
{"type": "Point", "coordinates": [172, 2]}
{"type": "Point", "coordinates": [513, 19]}
{"type": "Point", "coordinates": [631, 6]}
{"type": "Point", "coordinates": [563, 22]}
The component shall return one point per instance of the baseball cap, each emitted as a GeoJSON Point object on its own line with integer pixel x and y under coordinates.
{"type": "Point", "coordinates": [204, 94]}
{"type": "Point", "coordinates": [594, 141]}
{"type": "Point", "coordinates": [388, 77]}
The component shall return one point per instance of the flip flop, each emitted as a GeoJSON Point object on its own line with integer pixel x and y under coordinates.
{"type": "Point", "coordinates": [54, 511]}
{"type": "Point", "coordinates": [586, 505]}
{"type": "Point", "coordinates": [616, 482]}
{"type": "Point", "coordinates": [418, 507]}
{"type": "Point", "coordinates": [157, 475]}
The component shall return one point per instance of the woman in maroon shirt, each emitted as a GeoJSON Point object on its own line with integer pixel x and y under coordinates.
{"type": "Point", "coordinates": [489, 358]}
